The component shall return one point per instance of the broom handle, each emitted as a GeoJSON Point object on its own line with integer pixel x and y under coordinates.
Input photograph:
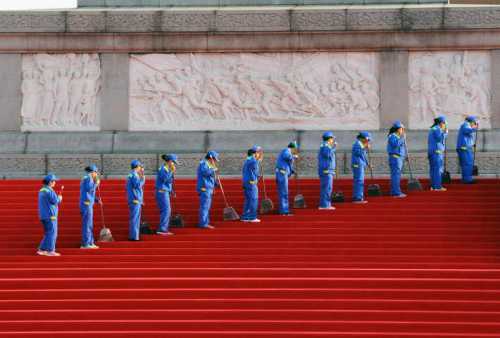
{"type": "Point", "coordinates": [222, 190]}
{"type": "Point", "coordinates": [408, 157]}
{"type": "Point", "coordinates": [445, 152]}
{"type": "Point", "coordinates": [101, 208]}
{"type": "Point", "coordinates": [297, 185]}
{"type": "Point", "coordinates": [370, 164]}
{"type": "Point", "coordinates": [475, 146]}
{"type": "Point", "coordinates": [263, 179]}
{"type": "Point", "coordinates": [174, 195]}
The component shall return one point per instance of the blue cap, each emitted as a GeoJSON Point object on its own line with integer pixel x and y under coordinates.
{"type": "Point", "coordinates": [397, 124]}
{"type": "Point", "coordinates": [327, 135]}
{"type": "Point", "coordinates": [49, 178]}
{"type": "Point", "coordinates": [471, 118]}
{"type": "Point", "coordinates": [213, 155]}
{"type": "Point", "coordinates": [135, 163]}
{"type": "Point", "coordinates": [440, 119]}
{"type": "Point", "coordinates": [293, 144]}
{"type": "Point", "coordinates": [169, 157]}
{"type": "Point", "coordinates": [256, 148]}
{"type": "Point", "coordinates": [91, 168]}
{"type": "Point", "coordinates": [366, 135]}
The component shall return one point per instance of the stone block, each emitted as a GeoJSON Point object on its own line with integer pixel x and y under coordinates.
{"type": "Point", "coordinates": [414, 18]}
{"type": "Point", "coordinates": [22, 165]}
{"type": "Point", "coordinates": [491, 140]}
{"type": "Point", "coordinates": [10, 92]}
{"type": "Point", "coordinates": [91, 3]}
{"type": "Point", "coordinates": [11, 142]}
{"type": "Point", "coordinates": [115, 91]}
{"type": "Point", "coordinates": [187, 3]}
{"type": "Point", "coordinates": [71, 164]}
{"type": "Point", "coordinates": [32, 22]}
{"type": "Point", "coordinates": [394, 97]}
{"type": "Point", "coordinates": [471, 17]}
{"type": "Point", "coordinates": [495, 88]}
{"type": "Point", "coordinates": [488, 163]}
{"type": "Point", "coordinates": [240, 142]}
{"type": "Point", "coordinates": [319, 20]}
{"type": "Point", "coordinates": [63, 143]}
{"type": "Point", "coordinates": [252, 20]}
{"type": "Point", "coordinates": [374, 19]}
{"type": "Point", "coordinates": [188, 21]}
{"type": "Point", "coordinates": [159, 142]}
{"type": "Point", "coordinates": [119, 164]}
{"type": "Point", "coordinates": [132, 21]}
{"type": "Point", "coordinates": [91, 21]}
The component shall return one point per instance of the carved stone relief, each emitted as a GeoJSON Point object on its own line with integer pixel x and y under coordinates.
{"type": "Point", "coordinates": [60, 92]}
{"type": "Point", "coordinates": [453, 84]}
{"type": "Point", "coordinates": [268, 91]}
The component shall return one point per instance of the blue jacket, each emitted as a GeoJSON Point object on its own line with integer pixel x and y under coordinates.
{"type": "Point", "coordinates": [48, 202]}
{"type": "Point", "coordinates": [436, 141]}
{"type": "Point", "coordinates": [359, 158]}
{"type": "Point", "coordinates": [466, 137]}
{"type": "Point", "coordinates": [326, 159]}
{"type": "Point", "coordinates": [87, 191]}
{"type": "Point", "coordinates": [285, 161]}
{"type": "Point", "coordinates": [205, 177]}
{"type": "Point", "coordinates": [250, 172]}
{"type": "Point", "coordinates": [396, 146]}
{"type": "Point", "coordinates": [135, 186]}
{"type": "Point", "coordinates": [164, 179]}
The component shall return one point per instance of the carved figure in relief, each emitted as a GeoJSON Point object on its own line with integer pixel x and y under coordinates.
{"type": "Point", "coordinates": [60, 91]}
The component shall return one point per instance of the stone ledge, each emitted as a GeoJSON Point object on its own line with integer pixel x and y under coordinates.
{"type": "Point", "coordinates": [264, 19]}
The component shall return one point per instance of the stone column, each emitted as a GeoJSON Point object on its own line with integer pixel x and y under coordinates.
{"type": "Point", "coordinates": [10, 92]}
{"type": "Point", "coordinates": [394, 97]}
{"type": "Point", "coordinates": [115, 96]}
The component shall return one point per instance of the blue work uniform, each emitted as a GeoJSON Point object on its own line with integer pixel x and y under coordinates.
{"type": "Point", "coordinates": [359, 161]}
{"type": "Point", "coordinates": [135, 199]}
{"type": "Point", "coordinates": [326, 170]}
{"type": "Point", "coordinates": [435, 153]}
{"type": "Point", "coordinates": [250, 174]}
{"type": "Point", "coordinates": [284, 169]}
{"type": "Point", "coordinates": [465, 150]}
{"type": "Point", "coordinates": [48, 202]}
{"type": "Point", "coordinates": [205, 184]}
{"type": "Point", "coordinates": [163, 187]}
{"type": "Point", "coordinates": [397, 152]}
{"type": "Point", "coordinates": [87, 198]}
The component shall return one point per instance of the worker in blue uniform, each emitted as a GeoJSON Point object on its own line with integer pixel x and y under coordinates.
{"type": "Point", "coordinates": [396, 149]}
{"type": "Point", "coordinates": [88, 186]}
{"type": "Point", "coordinates": [284, 169]}
{"type": "Point", "coordinates": [163, 188]}
{"type": "Point", "coordinates": [465, 147]}
{"type": "Point", "coordinates": [135, 198]}
{"type": "Point", "coordinates": [359, 162]}
{"type": "Point", "coordinates": [48, 202]}
{"type": "Point", "coordinates": [435, 152]}
{"type": "Point", "coordinates": [205, 185]}
{"type": "Point", "coordinates": [326, 170]}
{"type": "Point", "coordinates": [250, 178]}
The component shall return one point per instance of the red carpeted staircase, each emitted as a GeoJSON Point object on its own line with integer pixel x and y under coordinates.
{"type": "Point", "coordinates": [425, 266]}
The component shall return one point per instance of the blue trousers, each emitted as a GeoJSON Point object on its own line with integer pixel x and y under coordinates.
{"type": "Point", "coordinates": [48, 242]}
{"type": "Point", "coordinates": [134, 223]}
{"type": "Point", "coordinates": [87, 213]}
{"type": "Point", "coordinates": [358, 183]}
{"type": "Point", "coordinates": [205, 205]}
{"type": "Point", "coordinates": [466, 160]}
{"type": "Point", "coordinates": [282, 183]}
{"type": "Point", "coordinates": [436, 169]}
{"type": "Point", "coordinates": [325, 190]}
{"type": "Point", "coordinates": [251, 202]}
{"type": "Point", "coordinates": [163, 201]}
{"type": "Point", "coordinates": [396, 165]}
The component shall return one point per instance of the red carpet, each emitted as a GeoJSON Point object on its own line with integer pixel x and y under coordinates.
{"type": "Point", "coordinates": [425, 266]}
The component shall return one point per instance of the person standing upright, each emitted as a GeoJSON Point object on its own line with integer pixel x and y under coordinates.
{"type": "Point", "coordinates": [135, 198]}
{"type": "Point", "coordinates": [163, 188]}
{"type": "Point", "coordinates": [88, 186]}
{"type": "Point", "coordinates": [326, 170]}
{"type": "Point", "coordinates": [284, 169]}
{"type": "Point", "coordinates": [465, 147]}
{"type": "Point", "coordinates": [250, 178]}
{"type": "Point", "coordinates": [435, 152]}
{"type": "Point", "coordinates": [396, 150]}
{"type": "Point", "coordinates": [48, 208]}
{"type": "Point", "coordinates": [359, 162]}
{"type": "Point", "coordinates": [205, 185]}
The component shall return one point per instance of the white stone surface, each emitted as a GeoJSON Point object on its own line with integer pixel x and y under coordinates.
{"type": "Point", "coordinates": [266, 91]}
{"type": "Point", "coordinates": [60, 92]}
{"type": "Point", "coordinates": [454, 84]}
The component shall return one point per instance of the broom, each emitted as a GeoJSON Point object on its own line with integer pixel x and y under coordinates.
{"type": "Point", "coordinates": [229, 214]}
{"type": "Point", "coordinates": [299, 201]}
{"type": "Point", "coordinates": [105, 233]}
{"type": "Point", "coordinates": [266, 205]}
{"type": "Point", "coordinates": [475, 169]}
{"type": "Point", "coordinates": [445, 176]}
{"type": "Point", "coordinates": [373, 189]}
{"type": "Point", "coordinates": [176, 221]}
{"type": "Point", "coordinates": [413, 183]}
